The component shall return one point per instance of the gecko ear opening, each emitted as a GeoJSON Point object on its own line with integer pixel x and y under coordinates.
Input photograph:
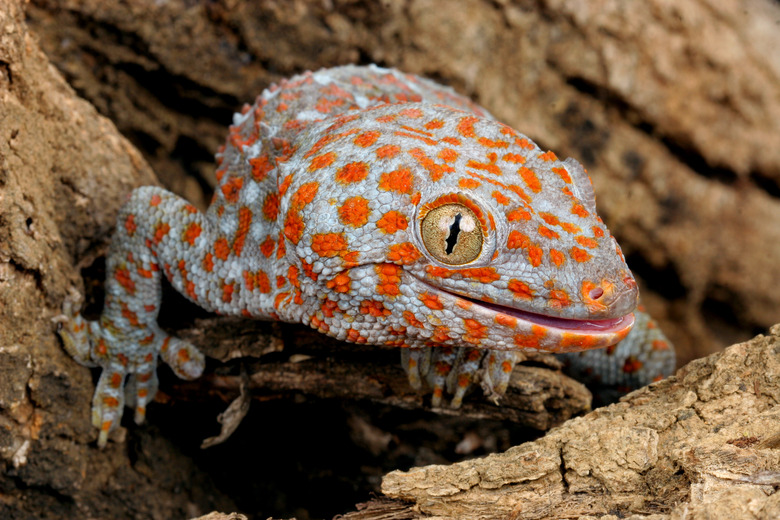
{"type": "Point", "coordinates": [583, 187]}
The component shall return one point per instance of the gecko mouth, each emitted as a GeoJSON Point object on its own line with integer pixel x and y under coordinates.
{"type": "Point", "coordinates": [608, 328]}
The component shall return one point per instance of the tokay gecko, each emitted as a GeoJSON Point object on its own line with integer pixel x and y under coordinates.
{"type": "Point", "coordinates": [382, 208]}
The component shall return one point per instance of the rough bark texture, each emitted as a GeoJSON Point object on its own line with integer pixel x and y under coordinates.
{"type": "Point", "coordinates": [702, 444]}
{"type": "Point", "coordinates": [674, 107]}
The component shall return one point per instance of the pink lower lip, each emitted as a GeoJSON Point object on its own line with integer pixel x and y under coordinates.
{"type": "Point", "coordinates": [609, 326]}
{"type": "Point", "coordinates": [596, 326]}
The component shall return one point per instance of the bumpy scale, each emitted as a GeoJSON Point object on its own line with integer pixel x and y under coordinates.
{"type": "Point", "coordinates": [376, 207]}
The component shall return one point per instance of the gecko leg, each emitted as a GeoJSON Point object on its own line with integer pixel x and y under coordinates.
{"type": "Point", "coordinates": [156, 230]}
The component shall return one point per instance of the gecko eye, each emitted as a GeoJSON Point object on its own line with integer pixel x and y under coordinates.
{"type": "Point", "coordinates": [452, 234]}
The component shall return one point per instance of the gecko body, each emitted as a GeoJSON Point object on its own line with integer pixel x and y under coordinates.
{"type": "Point", "coordinates": [376, 207]}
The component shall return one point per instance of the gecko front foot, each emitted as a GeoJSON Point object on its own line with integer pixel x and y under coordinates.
{"type": "Point", "coordinates": [454, 369]}
{"type": "Point", "coordinates": [128, 358]}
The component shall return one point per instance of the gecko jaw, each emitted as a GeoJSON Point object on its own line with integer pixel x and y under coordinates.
{"type": "Point", "coordinates": [538, 331]}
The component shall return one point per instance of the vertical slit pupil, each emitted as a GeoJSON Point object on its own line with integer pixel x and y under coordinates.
{"type": "Point", "coordinates": [452, 239]}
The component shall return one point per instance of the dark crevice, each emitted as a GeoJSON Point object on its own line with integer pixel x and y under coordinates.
{"type": "Point", "coordinates": [665, 281]}
{"type": "Point", "coordinates": [37, 276]}
{"type": "Point", "coordinates": [178, 93]}
{"type": "Point", "coordinates": [5, 71]}
{"type": "Point", "coordinates": [683, 152]}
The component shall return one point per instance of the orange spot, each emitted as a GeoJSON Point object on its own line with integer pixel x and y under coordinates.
{"type": "Point", "coordinates": [481, 274]}
{"type": "Point", "coordinates": [244, 221]}
{"type": "Point", "coordinates": [448, 155]}
{"type": "Point", "coordinates": [191, 233]}
{"type": "Point", "coordinates": [339, 283]}
{"type": "Point", "coordinates": [517, 240]}
{"type": "Point", "coordinates": [260, 167]}
{"type": "Point", "coordinates": [433, 124]}
{"type": "Point", "coordinates": [308, 270]}
{"type": "Point", "coordinates": [271, 206]}
{"type": "Point", "coordinates": [475, 331]}
{"type": "Point", "coordinates": [500, 198]}
{"type": "Point", "coordinates": [293, 227]}
{"type": "Point", "coordinates": [436, 171]}
{"type": "Point", "coordinates": [559, 299]}
{"type": "Point", "coordinates": [208, 262]}
{"type": "Point", "coordinates": [183, 355]}
{"type": "Point", "coordinates": [322, 161]}
{"type": "Point", "coordinates": [352, 172]}
{"type": "Point", "coordinates": [488, 167]}
{"type": "Point", "coordinates": [366, 139]}
{"type": "Point", "coordinates": [221, 249]}
{"type": "Point", "coordinates": [514, 158]}
{"type": "Point", "coordinates": [227, 292]}
{"type": "Point", "coordinates": [579, 210]}
{"type": "Point", "coordinates": [632, 365]}
{"type": "Point", "coordinates": [597, 232]}
{"type": "Point", "coordinates": [466, 126]}
{"type": "Point", "coordinates": [160, 231]}
{"type": "Point", "coordinates": [520, 289]}
{"type": "Point", "coordinates": [431, 301]}
{"type": "Point", "coordinates": [530, 339]}
{"type": "Point", "coordinates": [412, 320]}
{"type": "Point", "coordinates": [518, 214]}
{"type": "Point", "coordinates": [570, 228]}
{"type": "Point", "coordinates": [659, 344]}
{"type": "Point", "coordinates": [557, 257]}
{"type": "Point", "coordinates": [587, 242]}
{"type": "Point", "coordinates": [329, 307]}
{"type": "Point", "coordinates": [400, 181]}
{"type": "Point", "coordinates": [490, 143]}
{"type": "Point", "coordinates": [404, 253]}
{"type": "Point", "coordinates": [387, 151]}
{"type": "Point", "coordinates": [285, 184]}
{"type": "Point", "coordinates": [354, 212]}
{"type": "Point", "coordinates": [412, 113]}
{"type": "Point", "coordinates": [329, 245]}
{"type": "Point", "coordinates": [469, 184]}
{"type": "Point", "coordinates": [580, 255]}
{"type": "Point", "coordinates": [506, 321]}
{"type": "Point", "coordinates": [232, 188]}
{"type": "Point", "coordinates": [123, 277]}
{"type": "Point", "coordinates": [130, 226]}
{"type": "Point", "coordinates": [426, 140]}
{"type": "Point", "coordinates": [155, 200]}
{"type": "Point", "coordinates": [262, 282]}
{"type": "Point", "coordinates": [524, 143]}
{"type": "Point", "coordinates": [530, 179]}
{"type": "Point", "coordinates": [374, 308]}
{"type": "Point", "coordinates": [129, 315]}
{"type": "Point", "coordinates": [389, 279]}
{"type": "Point", "coordinates": [551, 219]}
{"type": "Point", "coordinates": [392, 221]}
{"type": "Point", "coordinates": [281, 250]}
{"type": "Point", "coordinates": [548, 156]}
{"type": "Point", "coordinates": [548, 233]}
{"type": "Point", "coordinates": [267, 247]}
{"type": "Point", "coordinates": [563, 174]}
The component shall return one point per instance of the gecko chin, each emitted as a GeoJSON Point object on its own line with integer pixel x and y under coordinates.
{"type": "Point", "coordinates": [516, 329]}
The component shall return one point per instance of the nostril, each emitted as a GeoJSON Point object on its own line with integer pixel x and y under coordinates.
{"type": "Point", "coordinates": [596, 293]}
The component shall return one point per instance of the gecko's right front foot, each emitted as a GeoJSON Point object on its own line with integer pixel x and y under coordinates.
{"type": "Point", "coordinates": [122, 352]}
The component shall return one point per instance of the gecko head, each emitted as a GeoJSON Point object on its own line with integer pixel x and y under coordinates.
{"type": "Point", "coordinates": [460, 225]}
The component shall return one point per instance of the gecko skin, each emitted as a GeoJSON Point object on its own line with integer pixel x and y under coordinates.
{"type": "Point", "coordinates": [376, 207]}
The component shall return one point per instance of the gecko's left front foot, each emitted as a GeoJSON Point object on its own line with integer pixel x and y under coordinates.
{"type": "Point", "coordinates": [121, 353]}
{"type": "Point", "coordinates": [454, 370]}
